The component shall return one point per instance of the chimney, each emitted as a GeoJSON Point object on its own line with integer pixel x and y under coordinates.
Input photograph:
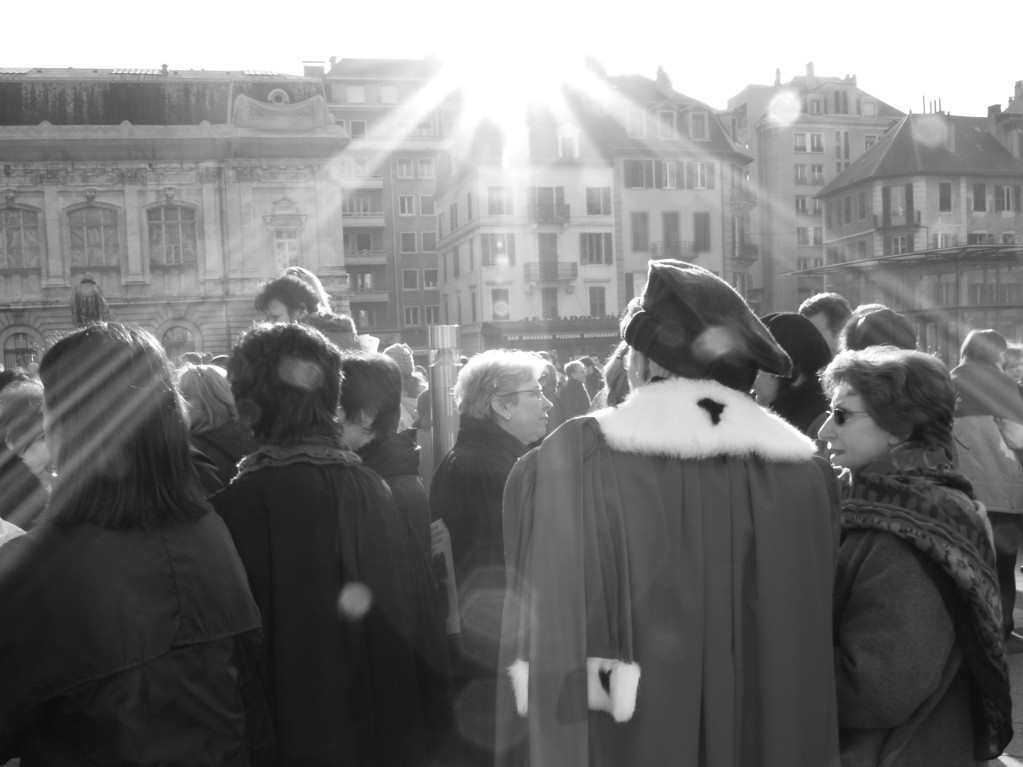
{"type": "Point", "coordinates": [163, 69]}
{"type": "Point", "coordinates": [333, 61]}
{"type": "Point", "coordinates": [663, 81]}
{"type": "Point", "coordinates": [1019, 90]}
{"type": "Point", "coordinates": [809, 69]}
{"type": "Point", "coordinates": [777, 76]}
{"type": "Point", "coordinates": [312, 68]}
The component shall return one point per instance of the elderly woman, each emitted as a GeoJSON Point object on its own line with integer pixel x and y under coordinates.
{"type": "Point", "coordinates": [128, 634]}
{"type": "Point", "coordinates": [919, 660]}
{"type": "Point", "coordinates": [321, 541]}
{"type": "Point", "coordinates": [502, 410]}
{"type": "Point", "coordinates": [214, 427]}
{"type": "Point", "coordinates": [25, 473]}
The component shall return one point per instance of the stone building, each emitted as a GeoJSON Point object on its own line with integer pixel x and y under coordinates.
{"type": "Point", "coordinates": [173, 192]}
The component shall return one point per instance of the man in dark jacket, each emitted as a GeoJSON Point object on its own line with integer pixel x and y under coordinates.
{"type": "Point", "coordinates": [574, 398]}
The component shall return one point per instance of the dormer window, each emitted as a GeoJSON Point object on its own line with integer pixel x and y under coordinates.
{"type": "Point", "coordinates": [635, 123]}
{"type": "Point", "coordinates": [568, 142]}
{"type": "Point", "coordinates": [666, 123]}
{"type": "Point", "coordinates": [698, 126]}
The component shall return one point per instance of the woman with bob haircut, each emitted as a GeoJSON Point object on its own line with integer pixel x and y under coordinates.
{"type": "Point", "coordinates": [128, 634]}
{"type": "Point", "coordinates": [214, 427]}
{"type": "Point", "coordinates": [321, 541]}
{"type": "Point", "coordinates": [988, 428]}
{"type": "Point", "coordinates": [502, 410]}
{"type": "Point", "coordinates": [25, 473]}
{"type": "Point", "coordinates": [919, 661]}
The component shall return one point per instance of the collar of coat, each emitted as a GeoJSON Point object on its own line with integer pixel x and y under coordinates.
{"type": "Point", "coordinates": [685, 418]}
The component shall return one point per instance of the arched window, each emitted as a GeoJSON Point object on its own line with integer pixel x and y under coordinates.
{"type": "Point", "coordinates": [19, 239]}
{"type": "Point", "coordinates": [19, 351]}
{"type": "Point", "coordinates": [172, 235]}
{"type": "Point", "coordinates": [176, 341]}
{"type": "Point", "coordinates": [94, 237]}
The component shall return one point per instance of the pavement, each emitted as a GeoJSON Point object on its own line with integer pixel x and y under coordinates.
{"type": "Point", "coordinates": [1013, 756]}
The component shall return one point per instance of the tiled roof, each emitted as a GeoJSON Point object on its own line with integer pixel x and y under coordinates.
{"type": "Point", "coordinates": [384, 69]}
{"type": "Point", "coordinates": [118, 75]}
{"type": "Point", "coordinates": [931, 144]}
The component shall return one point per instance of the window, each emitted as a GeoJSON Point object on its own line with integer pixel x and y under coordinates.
{"type": "Point", "coordinates": [945, 196]}
{"type": "Point", "coordinates": [861, 205]}
{"type": "Point", "coordinates": [701, 232]}
{"type": "Point", "coordinates": [472, 255]}
{"type": "Point", "coordinates": [408, 242]}
{"type": "Point", "coordinates": [356, 94]}
{"type": "Point", "coordinates": [896, 202]}
{"type": "Point", "coordinates": [868, 141]}
{"type": "Point", "coordinates": [861, 249]}
{"type": "Point", "coordinates": [816, 142]}
{"type": "Point", "coordinates": [598, 303]}
{"type": "Point", "coordinates": [841, 102]}
{"type": "Point", "coordinates": [287, 246]}
{"type": "Point", "coordinates": [357, 128]}
{"type": "Point", "coordinates": [358, 242]}
{"type": "Point", "coordinates": [177, 341]}
{"type": "Point", "coordinates": [847, 209]}
{"type": "Point", "coordinates": [699, 175]}
{"type": "Point", "coordinates": [802, 174]}
{"type": "Point", "coordinates": [456, 262]}
{"type": "Point", "coordinates": [453, 216]}
{"type": "Point", "coordinates": [816, 174]}
{"type": "Point", "coordinates": [698, 126]}
{"type": "Point", "coordinates": [426, 207]}
{"type": "Point", "coordinates": [499, 306]}
{"type": "Point", "coordinates": [944, 240]}
{"type": "Point", "coordinates": [429, 279]}
{"type": "Point", "coordinates": [432, 315]}
{"type": "Point", "coordinates": [363, 282]}
{"type": "Point", "coordinates": [901, 244]}
{"type": "Point", "coordinates": [172, 238]}
{"type": "Point", "coordinates": [549, 303]}
{"type": "Point", "coordinates": [367, 317]}
{"type": "Point", "coordinates": [429, 242]}
{"type": "Point", "coordinates": [357, 204]}
{"type": "Point", "coordinates": [640, 232]}
{"type": "Point", "coordinates": [499, 201]}
{"type": "Point", "coordinates": [815, 106]}
{"type": "Point", "coordinates": [635, 123]}
{"type": "Point", "coordinates": [1006, 198]}
{"type": "Point", "coordinates": [669, 175]}
{"type": "Point", "coordinates": [468, 206]}
{"type": "Point", "coordinates": [818, 235]}
{"type": "Point", "coordinates": [1009, 238]}
{"type": "Point", "coordinates": [547, 247]}
{"type": "Point", "coordinates": [598, 201]}
{"type": "Point", "coordinates": [596, 248]}
{"type": "Point", "coordinates": [94, 237]}
{"type": "Point", "coordinates": [803, 235]}
{"type": "Point", "coordinates": [388, 94]}
{"type": "Point", "coordinates": [802, 206]}
{"type": "Point", "coordinates": [405, 168]}
{"type": "Point", "coordinates": [19, 239]}
{"type": "Point", "coordinates": [425, 167]}
{"type": "Point", "coordinates": [568, 142]}
{"type": "Point", "coordinates": [472, 306]}
{"type": "Point", "coordinates": [411, 315]}
{"type": "Point", "coordinates": [637, 173]}
{"type": "Point", "coordinates": [979, 198]}
{"type": "Point", "coordinates": [809, 263]}
{"type": "Point", "coordinates": [19, 351]}
{"type": "Point", "coordinates": [406, 205]}
{"type": "Point", "coordinates": [360, 166]}
{"type": "Point", "coordinates": [666, 124]}
{"type": "Point", "coordinates": [798, 142]}
{"type": "Point", "coordinates": [497, 250]}
{"type": "Point", "coordinates": [410, 279]}
{"type": "Point", "coordinates": [424, 129]}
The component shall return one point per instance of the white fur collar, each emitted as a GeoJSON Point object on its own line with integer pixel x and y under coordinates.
{"type": "Point", "coordinates": [665, 418]}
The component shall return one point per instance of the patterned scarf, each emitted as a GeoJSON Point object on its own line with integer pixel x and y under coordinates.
{"type": "Point", "coordinates": [918, 495]}
{"type": "Point", "coordinates": [319, 451]}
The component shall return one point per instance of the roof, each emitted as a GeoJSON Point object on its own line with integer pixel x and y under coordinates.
{"type": "Point", "coordinates": [34, 74]}
{"type": "Point", "coordinates": [384, 69]}
{"type": "Point", "coordinates": [930, 144]}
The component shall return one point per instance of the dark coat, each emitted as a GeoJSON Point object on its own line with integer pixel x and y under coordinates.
{"type": "Point", "coordinates": [574, 399]}
{"type": "Point", "coordinates": [225, 446]}
{"type": "Point", "coordinates": [127, 647]}
{"type": "Point", "coordinates": [341, 687]}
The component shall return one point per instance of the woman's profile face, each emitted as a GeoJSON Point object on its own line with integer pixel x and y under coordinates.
{"type": "Point", "coordinates": [854, 438]}
{"type": "Point", "coordinates": [526, 419]}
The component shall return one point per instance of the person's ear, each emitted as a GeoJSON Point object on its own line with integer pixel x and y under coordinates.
{"type": "Point", "coordinates": [499, 406]}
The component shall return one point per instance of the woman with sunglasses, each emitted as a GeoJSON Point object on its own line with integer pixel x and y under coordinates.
{"type": "Point", "coordinates": [919, 661]}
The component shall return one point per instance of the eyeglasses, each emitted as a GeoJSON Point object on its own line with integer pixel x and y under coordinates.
{"type": "Point", "coordinates": [537, 392]}
{"type": "Point", "coordinates": [841, 414]}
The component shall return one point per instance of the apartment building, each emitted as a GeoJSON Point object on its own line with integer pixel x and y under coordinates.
{"type": "Point", "coordinates": [802, 134]}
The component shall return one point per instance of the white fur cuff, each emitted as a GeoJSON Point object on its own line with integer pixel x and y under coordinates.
{"type": "Point", "coordinates": [618, 698]}
{"type": "Point", "coordinates": [519, 673]}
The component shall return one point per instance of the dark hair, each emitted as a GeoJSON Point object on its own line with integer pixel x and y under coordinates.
{"type": "Point", "coordinates": [983, 346]}
{"type": "Point", "coordinates": [880, 327]}
{"type": "Point", "coordinates": [21, 414]}
{"type": "Point", "coordinates": [832, 305]}
{"type": "Point", "coordinates": [12, 375]}
{"type": "Point", "coordinates": [286, 379]}
{"type": "Point", "coordinates": [122, 457]}
{"type": "Point", "coordinates": [291, 291]}
{"type": "Point", "coordinates": [907, 393]}
{"type": "Point", "coordinates": [372, 383]}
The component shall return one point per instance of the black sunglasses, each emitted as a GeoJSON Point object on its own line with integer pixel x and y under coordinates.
{"type": "Point", "coordinates": [841, 414]}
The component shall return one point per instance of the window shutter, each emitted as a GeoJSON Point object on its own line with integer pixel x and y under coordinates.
{"type": "Point", "coordinates": [1015, 198]}
{"type": "Point", "coordinates": [605, 200]}
{"type": "Point", "coordinates": [584, 248]}
{"type": "Point", "coordinates": [608, 248]}
{"type": "Point", "coordinates": [886, 207]}
{"type": "Point", "coordinates": [689, 175]}
{"type": "Point", "coordinates": [509, 242]}
{"type": "Point", "coordinates": [910, 216]}
{"type": "Point", "coordinates": [531, 199]}
{"type": "Point", "coordinates": [559, 197]}
{"type": "Point", "coordinates": [658, 174]}
{"type": "Point", "coordinates": [485, 250]}
{"type": "Point", "coordinates": [999, 198]}
{"type": "Point", "coordinates": [711, 172]}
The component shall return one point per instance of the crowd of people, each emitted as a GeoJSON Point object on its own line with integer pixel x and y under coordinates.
{"type": "Point", "coordinates": [780, 541]}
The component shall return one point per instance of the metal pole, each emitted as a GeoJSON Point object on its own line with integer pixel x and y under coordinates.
{"type": "Point", "coordinates": [444, 342]}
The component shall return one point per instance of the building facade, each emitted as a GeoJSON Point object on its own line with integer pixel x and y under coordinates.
{"type": "Point", "coordinates": [174, 193]}
{"type": "Point", "coordinates": [929, 223]}
{"type": "Point", "coordinates": [802, 135]}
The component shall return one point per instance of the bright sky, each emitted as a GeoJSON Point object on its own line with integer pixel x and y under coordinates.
{"type": "Point", "coordinates": [902, 52]}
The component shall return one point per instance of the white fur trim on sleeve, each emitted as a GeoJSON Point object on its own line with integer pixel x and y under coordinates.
{"type": "Point", "coordinates": [620, 699]}
{"type": "Point", "coordinates": [519, 674]}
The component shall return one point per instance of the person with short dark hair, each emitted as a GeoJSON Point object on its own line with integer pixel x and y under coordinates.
{"type": "Point", "coordinates": [128, 634]}
{"type": "Point", "coordinates": [574, 398]}
{"type": "Point", "coordinates": [797, 398]}
{"type": "Point", "coordinates": [321, 541]}
{"type": "Point", "coordinates": [594, 380]}
{"type": "Point", "coordinates": [989, 427]}
{"type": "Point", "coordinates": [877, 325]}
{"type": "Point", "coordinates": [286, 299]}
{"type": "Point", "coordinates": [828, 312]}
{"type": "Point", "coordinates": [919, 660]}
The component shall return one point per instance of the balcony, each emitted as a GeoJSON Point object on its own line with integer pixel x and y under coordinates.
{"type": "Point", "coordinates": [549, 213]}
{"type": "Point", "coordinates": [906, 218]}
{"type": "Point", "coordinates": [682, 250]}
{"type": "Point", "coordinates": [365, 257]}
{"type": "Point", "coordinates": [361, 182]}
{"type": "Point", "coordinates": [551, 271]}
{"type": "Point", "coordinates": [372, 218]}
{"type": "Point", "coordinates": [743, 197]}
{"type": "Point", "coordinates": [746, 254]}
{"type": "Point", "coordinates": [366, 296]}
